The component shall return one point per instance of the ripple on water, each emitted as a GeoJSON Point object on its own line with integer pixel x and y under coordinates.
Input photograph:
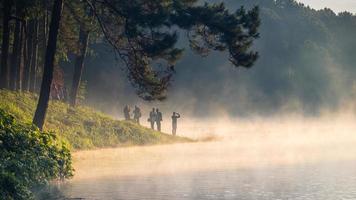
{"type": "Point", "coordinates": [327, 181]}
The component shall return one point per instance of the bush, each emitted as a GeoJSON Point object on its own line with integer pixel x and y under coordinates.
{"type": "Point", "coordinates": [29, 157]}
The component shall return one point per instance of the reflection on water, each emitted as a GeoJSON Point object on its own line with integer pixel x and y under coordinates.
{"type": "Point", "coordinates": [329, 181]}
{"type": "Point", "coordinates": [251, 168]}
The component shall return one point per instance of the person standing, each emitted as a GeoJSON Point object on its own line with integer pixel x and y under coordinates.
{"type": "Point", "coordinates": [137, 114]}
{"type": "Point", "coordinates": [175, 116]}
{"type": "Point", "coordinates": [127, 111]}
{"type": "Point", "coordinates": [158, 119]}
{"type": "Point", "coordinates": [152, 118]}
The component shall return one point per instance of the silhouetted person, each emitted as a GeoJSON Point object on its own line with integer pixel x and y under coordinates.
{"type": "Point", "coordinates": [175, 116]}
{"type": "Point", "coordinates": [152, 118]}
{"type": "Point", "coordinates": [137, 114]}
{"type": "Point", "coordinates": [127, 111]}
{"type": "Point", "coordinates": [158, 119]}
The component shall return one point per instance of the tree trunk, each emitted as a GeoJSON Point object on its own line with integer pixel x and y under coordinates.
{"type": "Point", "coordinates": [28, 55]}
{"type": "Point", "coordinates": [15, 56]}
{"type": "Point", "coordinates": [21, 57]}
{"type": "Point", "coordinates": [47, 78]}
{"type": "Point", "coordinates": [79, 65]}
{"type": "Point", "coordinates": [34, 52]}
{"type": "Point", "coordinates": [4, 79]}
{"type": "Point", "coordinates": [42, 42]}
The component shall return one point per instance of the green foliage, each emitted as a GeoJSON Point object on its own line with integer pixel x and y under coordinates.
{"type": "Point", "coordinates": [29, 157]}
{"type": "Point", "coordinates": [213, 27]}
{"type": "Point", "coordinates": [83, 127]}
{"type": "Point", "coordinates": [12, 189]}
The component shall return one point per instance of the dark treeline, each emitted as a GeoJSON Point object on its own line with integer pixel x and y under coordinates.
{"type": "Point", "coordinates": [307, 64]}
{"type": "Point", "coordinates": [38, 36]}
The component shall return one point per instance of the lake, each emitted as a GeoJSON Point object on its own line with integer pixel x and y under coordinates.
{"type": "Point", "coordinates": [250, 167]}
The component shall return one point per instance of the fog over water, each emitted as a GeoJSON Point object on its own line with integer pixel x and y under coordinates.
{"type": "Point", "coordinates": [263, 146]}
{"type": "Point", "coordinates": [290, 157]}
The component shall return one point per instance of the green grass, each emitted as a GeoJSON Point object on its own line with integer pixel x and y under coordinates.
{"type": "Point", "coordinates": [83, 127]}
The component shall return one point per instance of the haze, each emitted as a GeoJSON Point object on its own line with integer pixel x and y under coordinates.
{"type": "Point", "coordinates": [336, 5]}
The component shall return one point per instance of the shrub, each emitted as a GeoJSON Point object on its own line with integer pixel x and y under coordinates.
{"type": "Point", "coordinates": [29, 157]}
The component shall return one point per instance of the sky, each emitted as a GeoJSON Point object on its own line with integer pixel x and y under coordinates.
{"type": "Point", "coordinates": [336, 5]}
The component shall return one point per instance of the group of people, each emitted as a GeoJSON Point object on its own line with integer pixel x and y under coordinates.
{"type": "Point", "coordinates": [155, 117]}
{"type": "Point", "coordinates": [136, 113]}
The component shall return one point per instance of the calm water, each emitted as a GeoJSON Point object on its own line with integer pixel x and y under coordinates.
{"type": "Point", "coordinates": [261, 169]}
{"type": "Point", "coordinates": [324, 182]}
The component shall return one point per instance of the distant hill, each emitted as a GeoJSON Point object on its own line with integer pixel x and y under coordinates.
{"type": "Point", "coordinates": [307, 63]}
{"type": "Point", "coordinates": [83, 127]}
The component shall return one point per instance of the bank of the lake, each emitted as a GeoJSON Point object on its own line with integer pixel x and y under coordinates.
{"type": "Point", "coordinates": [83, 127]}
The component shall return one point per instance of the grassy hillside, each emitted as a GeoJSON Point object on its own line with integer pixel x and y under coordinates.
{"type": "Point", "coordinates": [83, 127]}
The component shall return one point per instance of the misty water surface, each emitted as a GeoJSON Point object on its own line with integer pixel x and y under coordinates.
{"type": "Point", "coordinates": [319, 165]}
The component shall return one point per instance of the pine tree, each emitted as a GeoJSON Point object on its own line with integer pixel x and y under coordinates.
{"type": "Point", "coordinates": [42, 105]}
{"type": "Point", "coordinates": [144, 35]}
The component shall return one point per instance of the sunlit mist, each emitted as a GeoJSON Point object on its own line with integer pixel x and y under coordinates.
{"type": "Point", "coordinates": [237, 144]}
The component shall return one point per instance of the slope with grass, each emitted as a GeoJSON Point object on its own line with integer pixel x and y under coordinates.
{"type": "Point", "coordinates": [83, 127]}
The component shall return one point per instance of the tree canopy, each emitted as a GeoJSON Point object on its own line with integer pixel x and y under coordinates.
{"type": "Point", "coordinates": [145, 33]}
